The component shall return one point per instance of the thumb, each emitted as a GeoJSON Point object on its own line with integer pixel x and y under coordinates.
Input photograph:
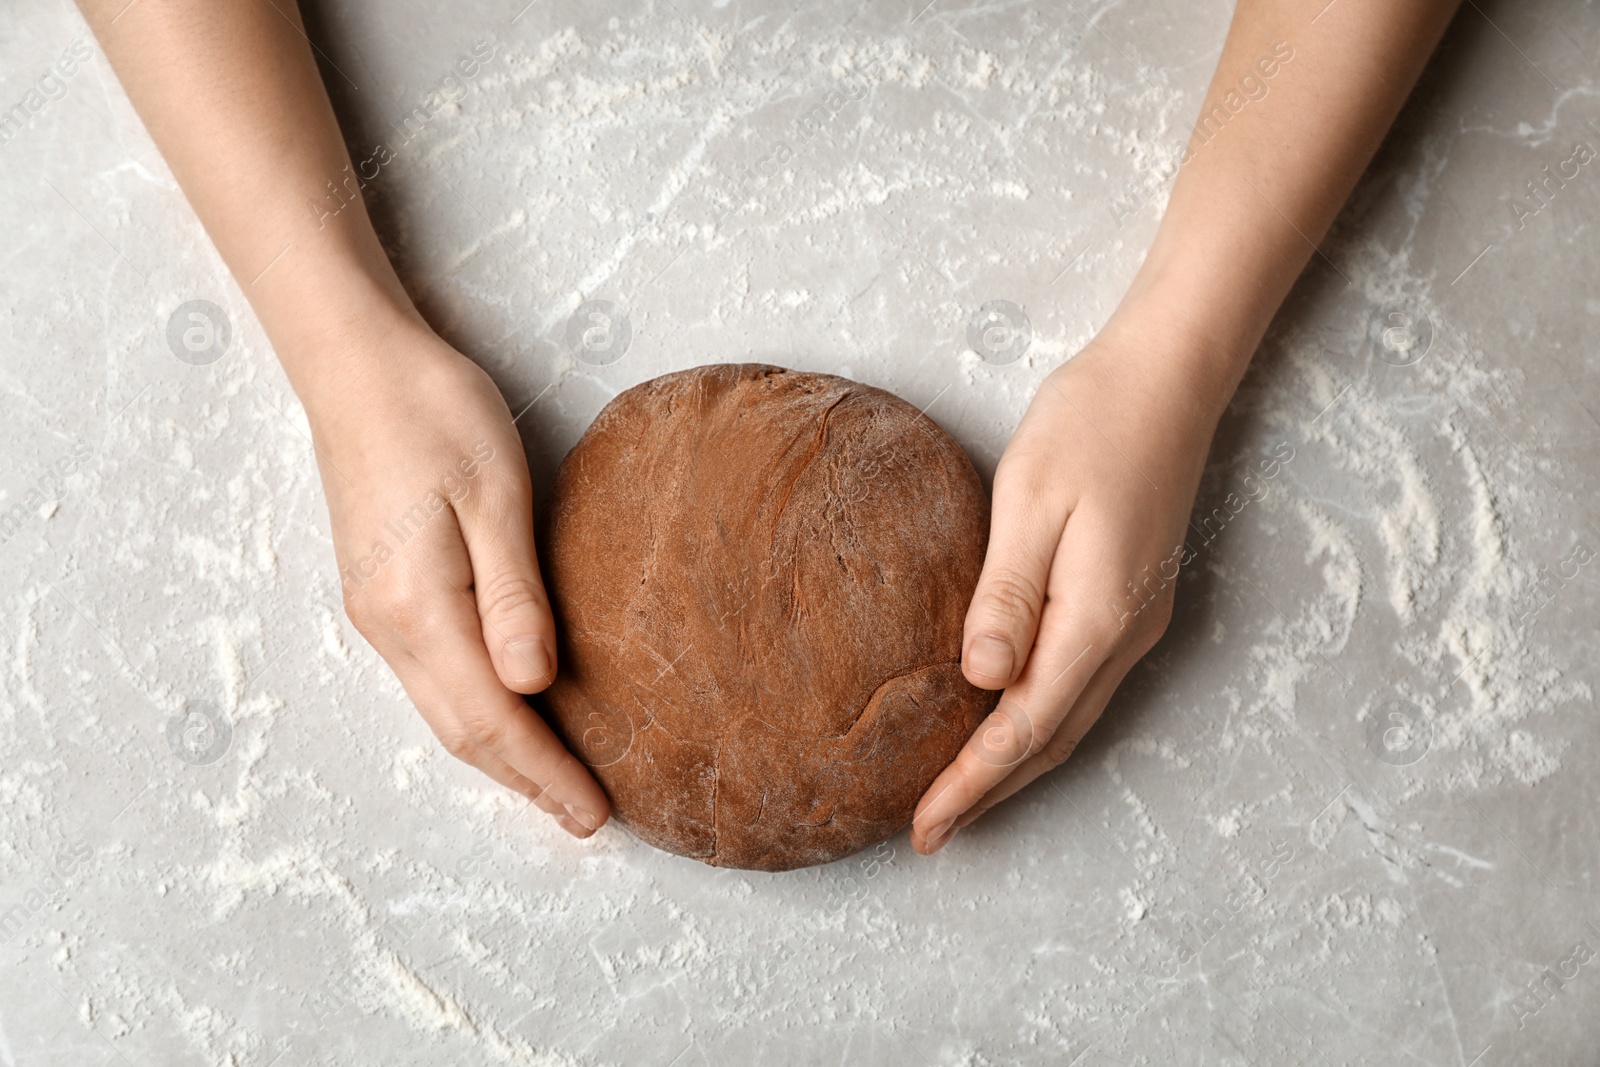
{"type": "Point", "coordinates": [518, 628]}
{"type": "Point", "coordinates": [1004, 615]}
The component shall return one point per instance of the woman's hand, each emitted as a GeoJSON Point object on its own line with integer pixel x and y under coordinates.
{"type": "Point", "coordinates": [425, 475]}
{"type": "Point", "coordinates": [1092, 496]}
{"type": "Point", "coordinates": [1091, 501]}
{"type": "Point", "coordinates": [432, 515]}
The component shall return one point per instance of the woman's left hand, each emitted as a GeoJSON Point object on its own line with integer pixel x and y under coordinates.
{"type": "Point", "coordinates": [1091, 501]}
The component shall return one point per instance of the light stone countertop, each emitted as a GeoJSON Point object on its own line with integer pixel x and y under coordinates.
{"type": "Point", "coordinates": [1237, 867]}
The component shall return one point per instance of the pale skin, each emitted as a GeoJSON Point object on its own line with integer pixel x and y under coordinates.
{"type": "Point", "coordinates": [1099, 479]}
{"type": "Point", "coordinates": [1096, 484]}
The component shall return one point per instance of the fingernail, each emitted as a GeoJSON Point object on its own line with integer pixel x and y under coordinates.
{"type": "Point", "coordinates": [527, 660]}
{"type": "Point", "coordinates": [991, 657]}
{"type": "Point", "coordinates": [572, 827]}
{"type": "Point", "coordinates": [941, 835]}
{"type": "Point", "coordinates": [589, 821]}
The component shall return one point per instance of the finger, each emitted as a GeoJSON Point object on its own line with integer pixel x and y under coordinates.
{"type": "Point", "coordinates": [503, 773]}
{"type": "Point", "coordinates": [1003, 618]}
{"type": "Point", "coordinates": [430, 704]}
{"type": "Point", "coordinates": [496, 522]}
{"type": "Point", "coordinates": [495, 719]}
{"type": "Point", "coordinates": [1084, 714]}
{"type": "Point", "coordinates": [1021, 725]}
{"type": "Point", "coordinates": [436, 618]}
{"type": "Point", "coordinates": [1075, 637]}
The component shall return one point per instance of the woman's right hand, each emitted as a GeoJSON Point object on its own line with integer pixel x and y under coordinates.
{"type": "Point", "coordinates": [432, 514]}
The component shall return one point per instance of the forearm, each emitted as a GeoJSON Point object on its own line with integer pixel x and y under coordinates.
{"type": "Point", "coordinates": [232, 97]}
{"type": "Point", "coordinates": [1268, 168]}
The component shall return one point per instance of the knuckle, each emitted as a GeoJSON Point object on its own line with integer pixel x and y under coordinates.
{"type": "Point", "coordinates": [1081, 640]}
{"type": "Point", "coordinates": [507, 498]}
{"type": "Point", "coordinates": [1058, 751]}
{"type": "Point", "coordinates": [1019, 468]}
{"type": "Point", "coordinates": [1010, 594]}
{"type": "Point", "coordinates": [1104, 633]}
{"type": "Point", "coordinates": [361, 612]}
{"type": "Point", "coordinates": [508, 595]}
{"type": "Point", "coordinates": [494, 499]}
{"type": "Point", "coordinates": [1025, 482]}
{"type": "Point", "coordinates": [407, 610]}
{"type": "Point", "coordinates": [1161, 617]}
{"type": "Point", "coordinates": [486, 732]}
{"type": "Point", "coordinates": [459, 743]}
{"type": "Point", "coordinates": [1152, 625]}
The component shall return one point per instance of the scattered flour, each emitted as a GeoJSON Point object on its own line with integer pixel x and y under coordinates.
{"type": "Point", "coordinates": [339, 856]}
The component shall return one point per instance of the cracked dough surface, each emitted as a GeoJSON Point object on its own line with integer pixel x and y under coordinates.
{"type": "Point", "coordinates": [759, 578]}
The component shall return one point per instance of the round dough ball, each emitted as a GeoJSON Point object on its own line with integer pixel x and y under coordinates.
{"type": "Point", "coordinates": [759, 578]}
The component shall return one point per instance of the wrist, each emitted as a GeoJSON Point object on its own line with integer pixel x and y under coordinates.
{"type": "Point", "coordinates": [341, 334]}
{"type": "Point", "coordinates": [332, 307]}
{"type": "Point", "coordinates": [1201, 346]}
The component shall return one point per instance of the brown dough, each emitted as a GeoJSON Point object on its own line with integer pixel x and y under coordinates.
{"type": "Point", "coordinates": [759, 578]}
